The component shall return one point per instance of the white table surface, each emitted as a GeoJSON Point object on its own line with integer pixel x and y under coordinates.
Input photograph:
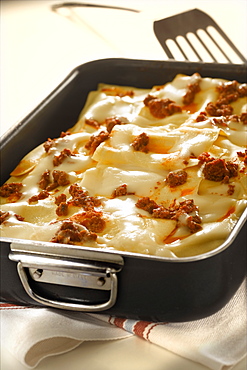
{"type": "Point", "coordinates": [38, 49]}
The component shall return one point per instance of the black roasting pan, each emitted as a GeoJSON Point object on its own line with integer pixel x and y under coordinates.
{"type": "Point", "coordinates": [116, 283]}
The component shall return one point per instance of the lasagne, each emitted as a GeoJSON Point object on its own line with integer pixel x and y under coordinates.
{"type": "Point", "coordinates": [159, 171]}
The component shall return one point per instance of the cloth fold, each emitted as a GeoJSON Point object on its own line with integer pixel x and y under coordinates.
{"type": "Point", "coordinates": [218, 341]}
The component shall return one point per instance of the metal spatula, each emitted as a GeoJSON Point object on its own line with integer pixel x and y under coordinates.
{"type": "Point", "coordinates": [195, 36]}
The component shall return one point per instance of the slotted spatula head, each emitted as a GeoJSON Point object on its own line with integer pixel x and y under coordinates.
{"type": "Point", "coordinates": [195, 36]}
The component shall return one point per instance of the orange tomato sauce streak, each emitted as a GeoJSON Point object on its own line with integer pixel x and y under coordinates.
{"type": "Point", "coordinates": [192, 107]}
{"type": "Point", "coordinates": [186, 192]}
{"type": "Point", "coordinates": [171, 238]}
{"type": "Point", "coordinates": [228, 213]}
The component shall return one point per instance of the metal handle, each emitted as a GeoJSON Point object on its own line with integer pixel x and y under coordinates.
{"type": "Point", "coordinates": [65, 305]}
{"type": "Point", "coordinates": [55, 7]}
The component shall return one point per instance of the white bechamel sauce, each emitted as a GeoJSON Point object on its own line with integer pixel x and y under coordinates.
{"type": "Point", "coordinates": [139, 182]}
{"type": "Point", "coordinates": [174, 144]}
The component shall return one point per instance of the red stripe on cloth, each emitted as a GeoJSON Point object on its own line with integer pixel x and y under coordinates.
{"type": "Point", "coordinates": [8, 306]}
{"type": "Point", "coordinates": [5, 305]}
{"type": "Point", "coordinates": [119, 322]}
{"type": "Point", "coordinates": [153, 326]}
{"type": "Point", "coordinates": [149, 331]}
{"type": "Point", "coordinates": [139, 328]}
